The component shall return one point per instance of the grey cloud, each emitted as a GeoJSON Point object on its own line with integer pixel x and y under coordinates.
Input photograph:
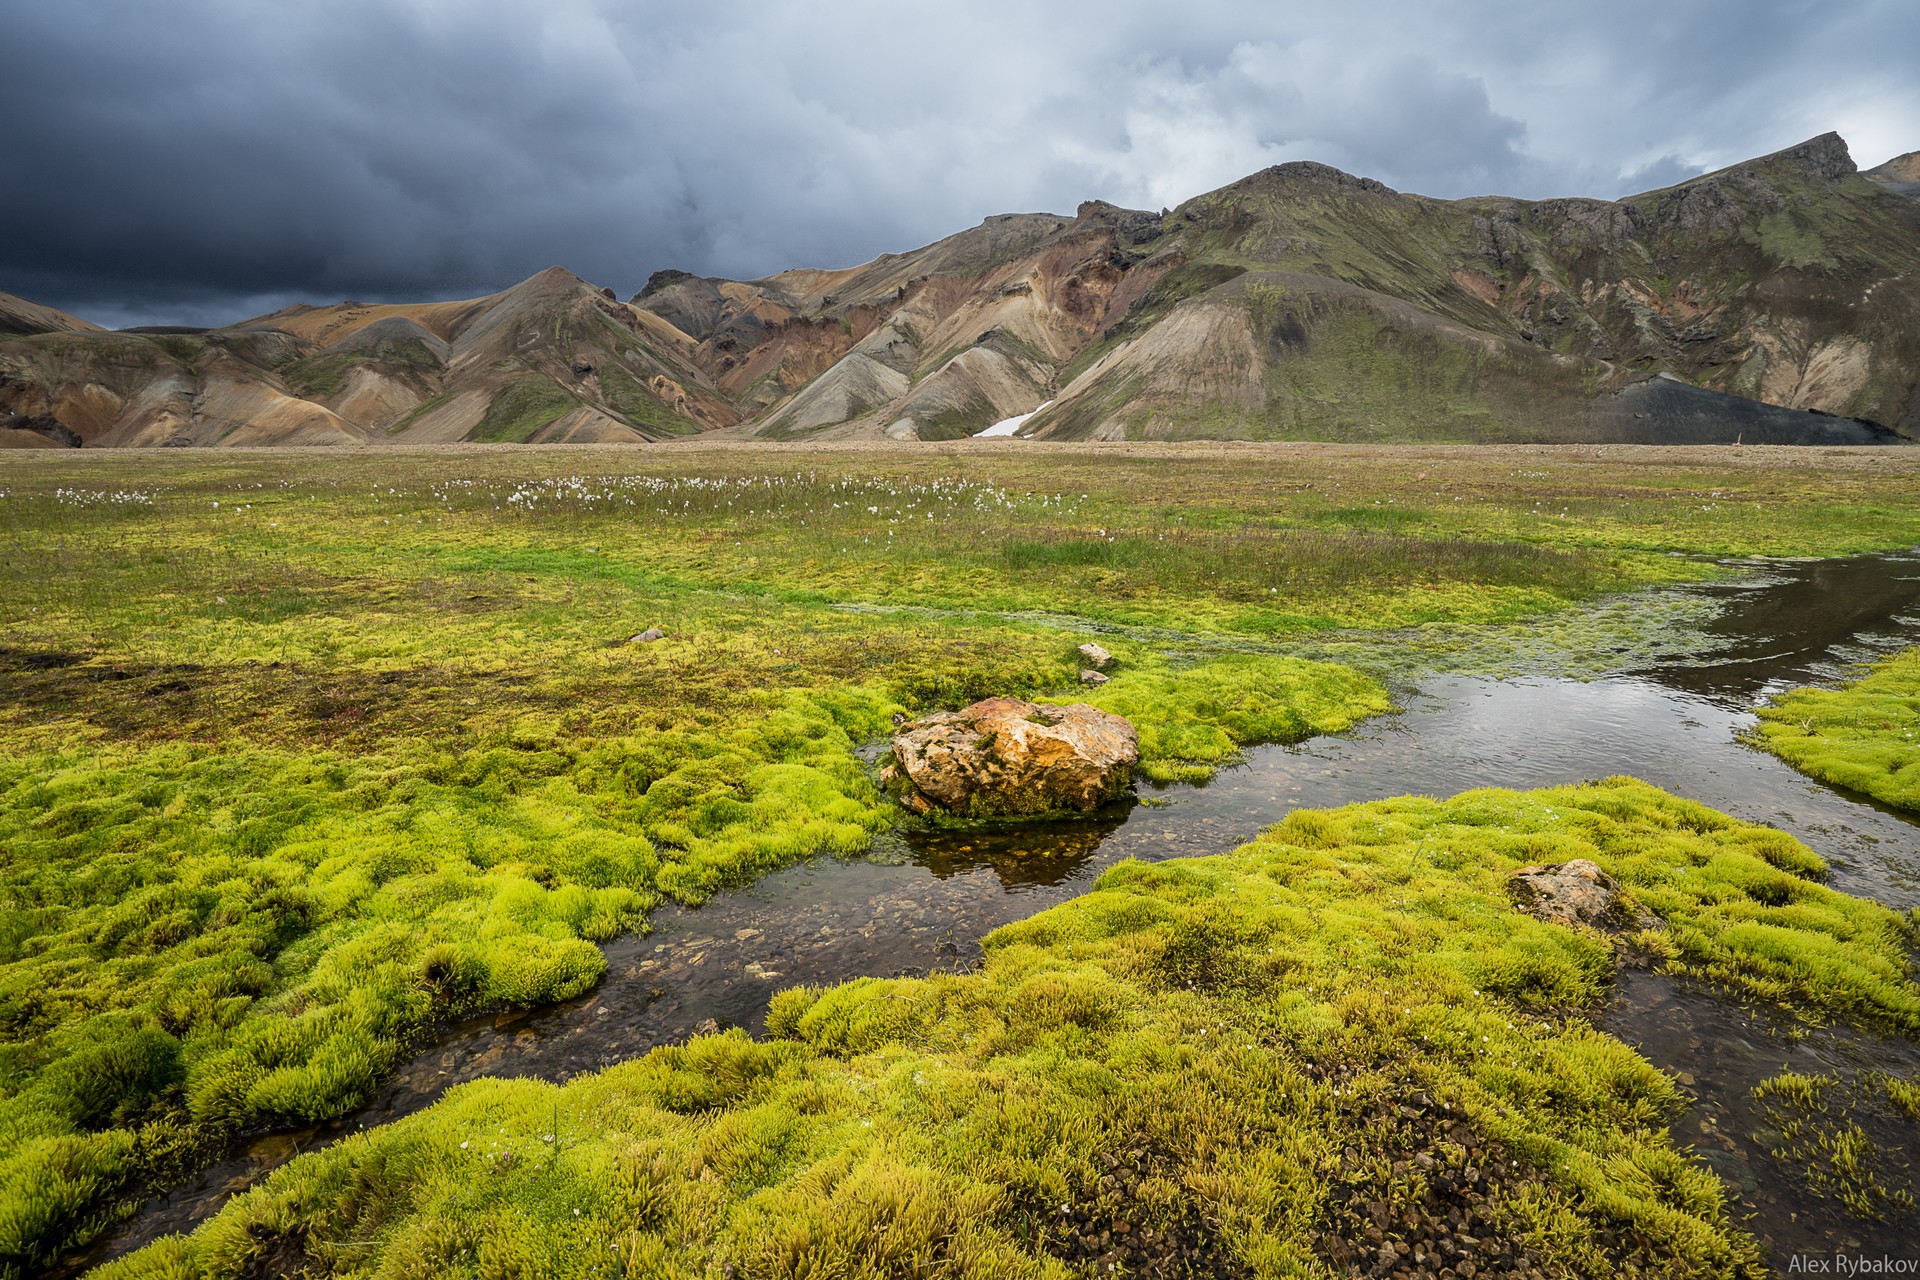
{"type": "Point", "coordinates": [201, 159]}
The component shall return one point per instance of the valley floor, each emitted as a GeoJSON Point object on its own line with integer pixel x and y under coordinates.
{"type": "Point", "coordinates": [303, 754]}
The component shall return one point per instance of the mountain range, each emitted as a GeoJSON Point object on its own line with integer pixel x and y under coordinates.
{"type": "Point", "coordinates": [1777, 300]}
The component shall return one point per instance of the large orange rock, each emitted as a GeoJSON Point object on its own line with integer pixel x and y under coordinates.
{"type": "Point", "coordinates": [1006, 757]}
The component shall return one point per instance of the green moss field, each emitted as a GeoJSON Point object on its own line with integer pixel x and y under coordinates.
{"type": "Point", "coordinates": [304, 753]}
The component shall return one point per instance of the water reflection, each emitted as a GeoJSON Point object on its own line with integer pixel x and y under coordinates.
{"type": "Point", "coordinates": [1719, 1053]}
{"type": "Point", "coordinates": [1789, 623]}
{"type": "Point", "coordinates": [1463, 733]}
{"type": "Point", "coordinates": [1023, 858]}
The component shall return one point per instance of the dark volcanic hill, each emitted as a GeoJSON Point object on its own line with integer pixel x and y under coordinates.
{"type": "Point", "coordinates": [1774, 301]}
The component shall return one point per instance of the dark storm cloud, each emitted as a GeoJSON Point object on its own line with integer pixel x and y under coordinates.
{"type": "Point", "coordinates": [208, 159]}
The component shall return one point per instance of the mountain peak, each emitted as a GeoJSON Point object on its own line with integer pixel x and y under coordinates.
{"type": "Point", "coordinates": [1300, 176]}
{"type": "Point", "coordinates": [554, 282]}
{"type": "Point", "coordinates": [1312, 171]}
{"type": "Point", "coordinates": [665, 278]}
{"type": "Point", "coordinates": [556, 276]}
{"type": "Point", "coordinates": [1717, 201]}
{"type": "Point", "coordinates": [1825, 157]}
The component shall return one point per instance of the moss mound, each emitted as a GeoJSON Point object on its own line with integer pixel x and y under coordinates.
{"type": "Point", "coordinates": [1195, 720]}
{"type": "Point", "coordinates": [1865, 737]}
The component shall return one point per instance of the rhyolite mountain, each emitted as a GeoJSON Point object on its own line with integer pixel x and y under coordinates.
{"type": "Point", "coordinates": [550, 359]}
{"type": "Point", "coordinates": [1901, 174]}
{"type": "Point", "coordinates": [1777, 300]}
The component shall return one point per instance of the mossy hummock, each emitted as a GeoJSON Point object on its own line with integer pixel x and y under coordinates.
{"type": "Point", "coordinates": [1864, 736]}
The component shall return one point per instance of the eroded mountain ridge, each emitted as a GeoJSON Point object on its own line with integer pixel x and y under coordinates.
{"type": "Point", "coordinates": [1777, 300]}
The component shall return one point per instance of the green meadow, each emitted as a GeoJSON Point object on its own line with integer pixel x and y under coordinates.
{"type": "Point", "coordinates": [302, 754]}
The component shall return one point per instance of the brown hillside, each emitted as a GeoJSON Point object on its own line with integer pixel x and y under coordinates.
{"type": "Point", "coordinates": [1303, 302]}
{"type": "Point", "coordinates": [550, 359]}
{"type": "Point", "coordinates": [1901, 174]}
{"type": "Point", "coordinates": [18, 316]}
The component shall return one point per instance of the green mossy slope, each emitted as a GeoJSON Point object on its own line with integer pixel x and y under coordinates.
{"type": "Point", "coordinates": [1194, 720]}
{"type": "Point", "coordinates": [521, 408]}
{"type": "Point", "coordinates": [1256, 1064]}
{"type": "Point", "coordinates": [1865, 737]}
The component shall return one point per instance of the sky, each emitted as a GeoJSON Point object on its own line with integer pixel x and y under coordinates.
{"type": "Point", "coordinates": [200, 161]}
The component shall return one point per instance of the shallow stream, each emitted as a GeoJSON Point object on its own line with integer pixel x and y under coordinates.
{"type": "Point", "coordinates": [924, 901]}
